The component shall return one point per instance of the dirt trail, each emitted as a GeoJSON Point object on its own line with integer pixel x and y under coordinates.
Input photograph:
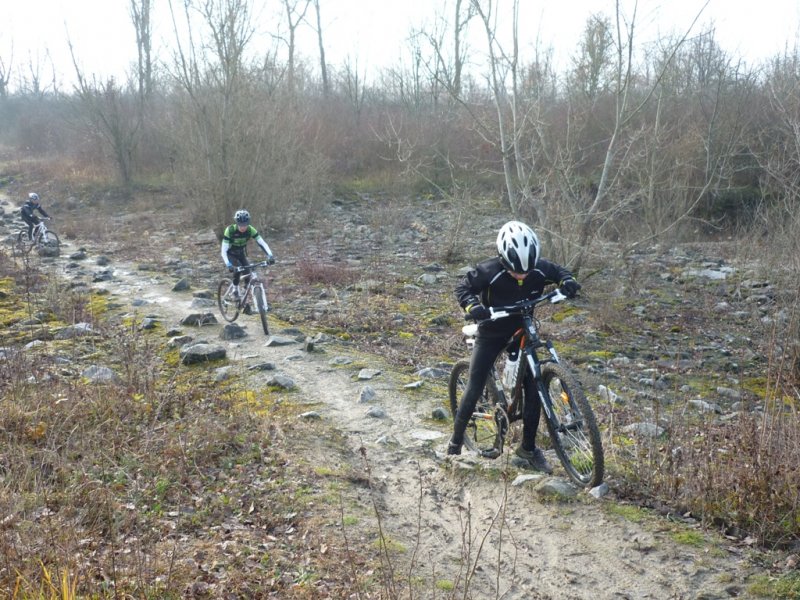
{"type": "Point", "coordinates": [430, 507]}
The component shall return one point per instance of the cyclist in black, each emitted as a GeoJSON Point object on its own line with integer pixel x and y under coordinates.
{"type": "Point", "coordinates": [517, 273]}
{"type": "Point", "coordinates": [27, 210]}
{"type": "Point", "coordinates": [234, 243]}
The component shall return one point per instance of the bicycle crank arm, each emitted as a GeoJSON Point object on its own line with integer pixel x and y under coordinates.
{"type": "Point", "coordinates": [491, 453]}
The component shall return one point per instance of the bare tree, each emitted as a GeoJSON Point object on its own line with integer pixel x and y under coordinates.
{"type": "Point", "coordinates": [626, 108]}
{"type": "Point", "coordinates": [5, 73]}
{"type": "Point", "coordinates": [354, 86]}
{"type": "Point", "coordinates": [295, 12]}
{"type": "Point", "coordinates": [140, 11]}
{"type": "Point", "coordinates": [237, 137]}
{"type": "Point", "coordinates": [446, 67]}
{"type": "Point", "coordinates": [323, 65]}
{"type": "Point", "coordinates": [592, 71]}
{"type": "Point", "coordinates": [114, 113]}
{"type": "Point", "coordinates": [513, 117]}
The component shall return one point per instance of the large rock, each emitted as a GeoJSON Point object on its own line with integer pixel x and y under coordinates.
{"type": "Point", "coordinates": [197, 353]}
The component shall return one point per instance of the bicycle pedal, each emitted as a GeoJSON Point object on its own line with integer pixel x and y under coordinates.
{"type": "Point", "coordinates": [491, 453]}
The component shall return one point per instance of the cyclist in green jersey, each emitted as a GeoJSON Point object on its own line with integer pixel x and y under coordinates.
{"type": "Point", "coordinates": [234, 243]}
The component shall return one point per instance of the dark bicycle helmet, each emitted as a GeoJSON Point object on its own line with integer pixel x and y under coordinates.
{"type": "Point", "coordinates": [33, 197]}
{"type": "Point", "coordinates": [242, 217]}
{"type": "Point", "coordinates": [518, 247]}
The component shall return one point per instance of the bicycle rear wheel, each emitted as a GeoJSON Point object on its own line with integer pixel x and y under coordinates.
{"type": "Point", "coordinates": [228, 303]}
{"type": "Point", "coordinates": [21, 244]}
{"type": "Point", "coordinates": [261, 303]}
{"type": "Point", "coordinates": [573, 431]}
{"type": "Point", "coordinates": [482, 430]}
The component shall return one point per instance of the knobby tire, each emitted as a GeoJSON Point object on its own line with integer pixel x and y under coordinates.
{"type": "Point", "coordinates": [481, 433]}
{"type": "Point", "coordinates": [228, 305]}
{"type": "Point", "coordinates": [22, 245]}
{"type": "Point", "coordinates": [579, 448]}
{"type": "Point", "coordinates": [53, 241]}
{"type": "Point", "coordinates": [261, 303]}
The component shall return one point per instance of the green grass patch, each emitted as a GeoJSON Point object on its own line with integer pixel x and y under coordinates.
{"type": "Point", "coordinates": [786, 587]}
{"type": "Point", "coordinates": [689, 538]}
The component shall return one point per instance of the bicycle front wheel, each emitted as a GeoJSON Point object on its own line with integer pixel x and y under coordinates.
{"type": "Point", "coordinates": [572, 426]}
{"type": "Point", "coordinates": [481, 434]}
{"type": "Point", "coordinates": [261, 303]}
{"type": "Point", "coordinates": [228, 303]}
{"type": "Point", "coordinates": [53, 242]}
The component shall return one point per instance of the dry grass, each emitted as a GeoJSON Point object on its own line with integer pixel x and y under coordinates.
{"type": "Point", "coordinates": [161, 485]}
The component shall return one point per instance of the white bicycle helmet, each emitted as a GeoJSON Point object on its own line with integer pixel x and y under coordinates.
{"type": "Point", "coordinates": [518, 247]}
{"type": "Point", "coordinates": [242, 217]}
{"type": "Point", "coordinates": [33, 197]}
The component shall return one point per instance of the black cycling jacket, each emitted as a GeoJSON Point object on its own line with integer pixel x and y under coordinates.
{"type": "Point", "coordinates": [27, 211]}
{"type": "Point", "coordinates": [491, 285]}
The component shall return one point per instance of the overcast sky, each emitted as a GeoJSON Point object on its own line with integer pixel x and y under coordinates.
{"type": "Point", "coordinates": [374, 31]}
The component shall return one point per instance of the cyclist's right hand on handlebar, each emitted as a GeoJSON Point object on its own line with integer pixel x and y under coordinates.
{"type": "Point", "coordinates": [478, 312]}
{"type": "Point", "coordinates": [230, 268]}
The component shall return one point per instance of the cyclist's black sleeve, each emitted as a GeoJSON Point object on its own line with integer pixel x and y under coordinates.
{"type": "Point", "coordinates": [472, 285]}
{"type": "Point", "coordinates": [43, 212]}
{"type": "Point", "coordinates": [552, 272]}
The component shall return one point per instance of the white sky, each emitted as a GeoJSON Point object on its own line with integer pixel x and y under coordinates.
{"type": "Point", "coordinates": [374, 31]}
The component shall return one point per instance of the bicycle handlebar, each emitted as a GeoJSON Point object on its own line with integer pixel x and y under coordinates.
{"type": "Point", "coordinates": [251, 266]}
{"type": "Point", "coordinates": [501, 312]}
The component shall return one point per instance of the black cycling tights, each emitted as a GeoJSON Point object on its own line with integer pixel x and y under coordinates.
{"type": "Point", "coordinates": [483, 356]}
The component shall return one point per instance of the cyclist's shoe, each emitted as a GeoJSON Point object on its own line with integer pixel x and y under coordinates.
{"type": "Point", "coordinates": [248, 310]}
{"type": "Point", "coordinates": [534, 459]}
{"type": "Point", "coordinates": [453, 448]}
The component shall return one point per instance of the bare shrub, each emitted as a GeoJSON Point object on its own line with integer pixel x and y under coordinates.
{"type": "Point", "coordinates": [731, 474]}
{"type": "Point", "coordinates": [327, 273]}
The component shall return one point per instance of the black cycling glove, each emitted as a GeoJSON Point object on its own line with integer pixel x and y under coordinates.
{"type": "Point", "coordinates": [570, 287]}
{"type": "Point", "coordinates": [479, 312]}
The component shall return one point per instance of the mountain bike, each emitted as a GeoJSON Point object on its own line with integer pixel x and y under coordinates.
{"type": "Point", "coordinates": [572, 430]}
{"type": "Point", "coordinates": [42, 238]}
{"type": "Point", "coordinates": [233, 299]}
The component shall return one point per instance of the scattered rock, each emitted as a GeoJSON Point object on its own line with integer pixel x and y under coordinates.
{"type": "Point", "coordinates": [644, 429]}
{"type": "Point", "coordinates": [201, 352]}
{"type": "Point", "coordinates": [376, 412]}
{"type": "Point", "coordinates": [338, 361]}
{"type": "Point", "coordinates": [264, 366]}
{"type": "Point", "coordinates": [553, 487]}
{"type": "Point", "coordinates": [364, 374]}
{"type": "Point", "coordinates": [440, 414]}
{"type": "Point", "coordinates": [199, 319]}
{"type": "Point", "coordinates": [367, 394]}
{"type": "Point", "coordinates": [433, 373]}
{"type": "Point", "coordinates": [181, 285]}
{"type": "Point", "coordinates": [148, 323]}
{"type": "Point", "coordinates": [232, 331]}
{"type": "Point", "coordinates": [599, 491]}
{"type": "Point", "coordinates": [73, 331]}
{"type": "Point", "coordinates": [281, 381]}
{"type": "Point", "coordinates": [277, 340]}
{"type": "Point", "coordinates": [100, 374]}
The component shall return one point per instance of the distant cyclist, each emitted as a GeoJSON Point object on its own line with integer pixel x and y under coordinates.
{"type": "Point", "coordinates": [27, 210]}
{"type": "Point", "coordinates": [234, 243]}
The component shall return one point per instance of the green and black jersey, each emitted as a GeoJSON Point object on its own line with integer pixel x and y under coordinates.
{"type": "Point", "coordinates": [235, 241]}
